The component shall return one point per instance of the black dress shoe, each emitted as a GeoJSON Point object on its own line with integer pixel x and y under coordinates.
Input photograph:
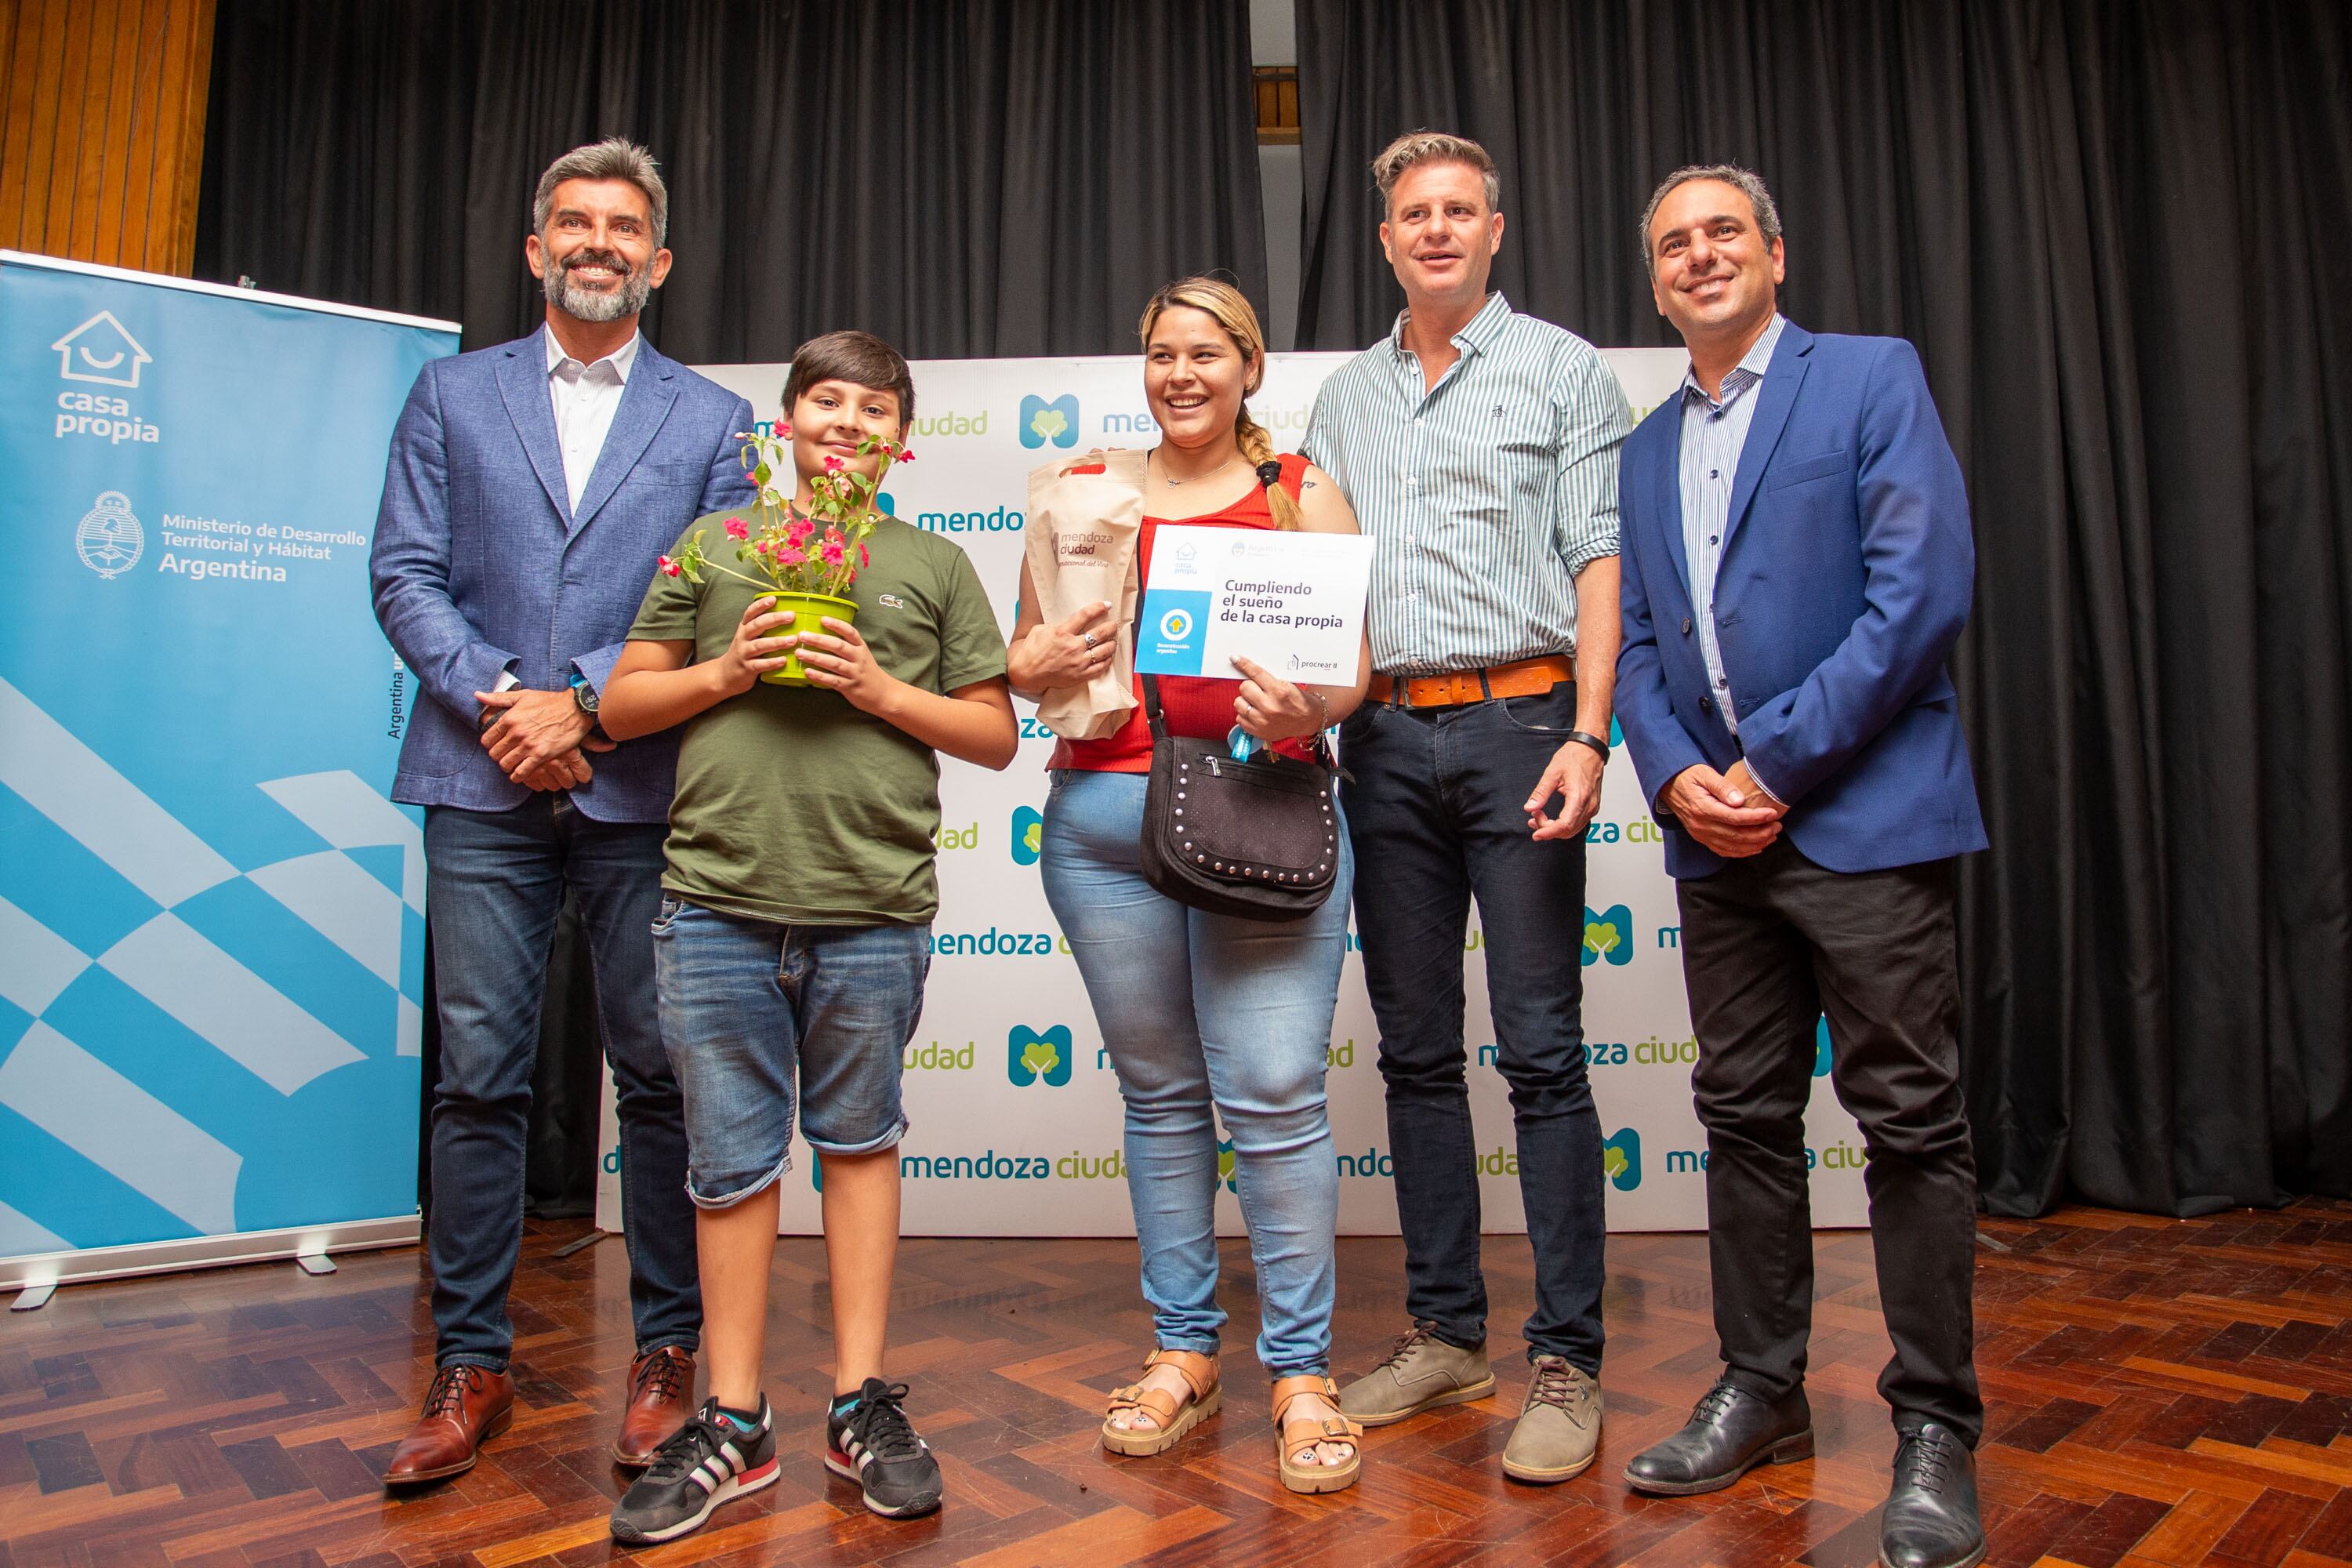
{"type": "Point", "coordinates": [1931, 1513]}
{"type": "Point", "coordinates": [1731, 1433]}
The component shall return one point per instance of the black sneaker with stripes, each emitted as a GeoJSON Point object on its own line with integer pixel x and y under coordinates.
{"type": "Point", "coordinates": [708, 1461]}
{"type": "Point", "coordinates": [871, 1441]}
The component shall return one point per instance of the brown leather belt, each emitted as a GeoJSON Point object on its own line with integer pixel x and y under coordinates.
{"type": "Point", "coordinates": [1520, 678]}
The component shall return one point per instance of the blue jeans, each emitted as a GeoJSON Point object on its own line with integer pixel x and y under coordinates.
{"type": "Point", "coordinates": [1201, 1011]}
{"type": "Point", "coordinates": [1438, 814]}
{"type": "Point", "coordinates": [495, 882]}
{"type": "Point", "coordinates": [752, 1008]}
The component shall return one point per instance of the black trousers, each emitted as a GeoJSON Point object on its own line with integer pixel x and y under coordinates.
{"type": "Point", "coordinates": [1769, 944]}
{"type": "Point", "coordinates": [1438, 814]}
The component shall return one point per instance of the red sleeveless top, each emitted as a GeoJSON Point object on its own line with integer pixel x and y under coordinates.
{"type": "Point", "coordinates": [1200, 708]}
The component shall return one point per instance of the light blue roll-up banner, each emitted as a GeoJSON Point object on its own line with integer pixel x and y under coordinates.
{"type": "Point", "coordinates": [211, 918]}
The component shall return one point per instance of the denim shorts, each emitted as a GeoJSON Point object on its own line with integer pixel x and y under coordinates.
{"type": "Point", "coordinates": [749, 1006]}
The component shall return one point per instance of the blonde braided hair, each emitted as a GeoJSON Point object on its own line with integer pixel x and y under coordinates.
{"type": "Point", "coordinates": [1230, 309]}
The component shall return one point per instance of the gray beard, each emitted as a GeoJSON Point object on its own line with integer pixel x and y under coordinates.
{"type": "Point", "coordinates": [583, 305]}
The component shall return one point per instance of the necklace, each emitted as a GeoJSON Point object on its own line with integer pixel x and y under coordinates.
{"type": "Point", "coordinates": [1212, 474]}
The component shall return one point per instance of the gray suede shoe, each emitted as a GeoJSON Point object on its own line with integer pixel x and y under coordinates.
{"type": "Point", "coordinates": [1559, 1428]}
{"type": "Point", "coordinates": [1420, 1374]}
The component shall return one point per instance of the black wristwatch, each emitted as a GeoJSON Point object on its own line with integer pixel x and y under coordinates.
{"type": "Point", "coordinates": [1595, 742]}
{"type": "Point", "coordinates": [584, 696]}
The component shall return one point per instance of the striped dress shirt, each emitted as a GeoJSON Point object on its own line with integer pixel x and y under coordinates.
{"type": "Point", "coordinates": [1483, 496]}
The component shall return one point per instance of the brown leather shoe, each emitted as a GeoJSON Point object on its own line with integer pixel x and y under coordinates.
{"type": "Point", "coordinates": [465, 1407]}
{"type": "Point", "coordinates": [661, 1397]}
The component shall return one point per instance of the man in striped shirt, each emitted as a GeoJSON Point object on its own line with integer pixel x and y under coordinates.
{"type": "Point", "coordinates": [1479, 449]}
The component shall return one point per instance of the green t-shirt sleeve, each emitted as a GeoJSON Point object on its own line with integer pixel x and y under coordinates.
{"type": "Point", "coordinates": [972, 645]}
{"type": "Point", "coordinates": [667, 611]}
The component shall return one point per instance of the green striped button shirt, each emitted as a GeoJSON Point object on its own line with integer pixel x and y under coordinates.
{"type": "Point", "coordinates": [1484, 497]}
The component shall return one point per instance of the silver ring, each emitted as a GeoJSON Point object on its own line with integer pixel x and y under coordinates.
{"type": "Point", "coordinates": [1090, 640]}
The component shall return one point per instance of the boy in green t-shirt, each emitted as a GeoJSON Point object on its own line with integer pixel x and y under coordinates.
{"type": "Point", "coordinates": [795, 927]}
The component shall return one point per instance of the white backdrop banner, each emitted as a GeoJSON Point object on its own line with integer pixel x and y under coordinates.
{"type": "Point", "coordinates": [1014, 1109]}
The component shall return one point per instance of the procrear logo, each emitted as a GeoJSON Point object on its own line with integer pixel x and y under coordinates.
{"type": "Point", "coordinates": [1176, 625]}
{"type": "Point", "coordinates": [99, 350]}
{"type": "Point", "coordinates": [1028, 835]}
{"type": "Point", "coordinates": [1032, 1054]}
{"type": "Point", "coordinates": [1620, 1159]}
{"type": "Point", "coordinates": [1822, 1047]}
{"type": "Point", "coordinates": [1055, 421]}
{"type": "Point", "coordinates": [1228, 1165]}
{"type": "Point", "coordinates": [1608, 933]}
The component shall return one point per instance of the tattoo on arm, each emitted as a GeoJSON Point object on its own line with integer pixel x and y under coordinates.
{"type": "Point", "coordinates": [1307, 484]}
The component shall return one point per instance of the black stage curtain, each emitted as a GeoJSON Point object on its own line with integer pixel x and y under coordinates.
{"type": "Point", "coordinates": [965, 178]}
{"type": "Point", "coordinates": [2107, 229]}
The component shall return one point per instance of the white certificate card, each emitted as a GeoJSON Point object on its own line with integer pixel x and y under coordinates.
{"type": "Point", "coordinates": [1293, 602]}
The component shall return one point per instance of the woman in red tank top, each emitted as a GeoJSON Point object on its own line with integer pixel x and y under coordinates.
{"type": "Point", "coordinates": [1207, 1017]}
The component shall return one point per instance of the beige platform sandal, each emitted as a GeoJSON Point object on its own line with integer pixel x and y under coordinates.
{"type": "Point", "coordinates": [1200, 1374]}
{"type": "Point", "coordinates": [1307, 1431]}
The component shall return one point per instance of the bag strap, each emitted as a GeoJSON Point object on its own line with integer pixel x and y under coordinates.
{"type": "Point", "coordinates": [1319, 750]}
{"type": "Point", "coordinates": [1151, 708]}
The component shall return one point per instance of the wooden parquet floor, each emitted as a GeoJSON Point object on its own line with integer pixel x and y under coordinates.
{"type": "Point", "coordinates": [2160, 1391]}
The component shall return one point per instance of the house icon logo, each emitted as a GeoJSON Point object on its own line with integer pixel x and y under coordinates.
{"type": "Point", "coordinates": [101, 350]}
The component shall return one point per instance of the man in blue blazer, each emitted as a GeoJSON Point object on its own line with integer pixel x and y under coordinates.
{"type": "Point", "coordinates": [1797, 565]}
{"type": "Point", "coordinates": [531, 489]}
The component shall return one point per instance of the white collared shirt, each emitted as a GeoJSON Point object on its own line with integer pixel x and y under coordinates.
{"type": "Point", "coordinates": [586, 396]}
{"type": "Point", "coordinates": [1714, 435]}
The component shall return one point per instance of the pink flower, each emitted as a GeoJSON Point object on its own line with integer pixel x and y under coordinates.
{"type": "Point", "coordinates": [863, 559]}
{"type": "Point", "coordinates": [669, 567]}
{"type": "Point", "coordinates": [790, 558]}
{"type": "Point", "coordinates": [800, 531]}
{"type": "Point", "coordinates": [831, 554]}
{"type": "Point", "coordinates": [735, 528]}
{"type": "Point", "coordinates": [906, 453]}
{"type": "Point", "coordinates": [832, 462]}
{"type": "Point", "coordinates": [785, 431]}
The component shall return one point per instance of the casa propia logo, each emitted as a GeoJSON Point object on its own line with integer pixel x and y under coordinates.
{"type": "Point", "coordinates": [1034, 1054]}
{"type": "Point", "coordinates": [1608, 933]}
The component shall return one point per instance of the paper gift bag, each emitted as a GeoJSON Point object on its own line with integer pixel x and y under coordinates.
{"type": "Point", "coordinates": [1085, 517]}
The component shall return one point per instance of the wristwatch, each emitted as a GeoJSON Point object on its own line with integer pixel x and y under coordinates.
{"type": "Point", "coordinates": [584, 696]}
{"type": "Point", "coordinates": [1595, 742]}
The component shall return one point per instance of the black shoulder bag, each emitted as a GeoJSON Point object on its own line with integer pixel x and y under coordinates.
{"type": "Point", "coordinates": [1258, 840]}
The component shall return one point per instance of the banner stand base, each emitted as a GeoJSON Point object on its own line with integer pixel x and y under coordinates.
{"type": "Point", "coordinates": [32, 1298]}
{"type": "Point", "coordinates": [44, 1271]}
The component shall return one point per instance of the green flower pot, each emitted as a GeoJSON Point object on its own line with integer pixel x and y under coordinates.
{"type": "Point", "coordinates": [808, 611]}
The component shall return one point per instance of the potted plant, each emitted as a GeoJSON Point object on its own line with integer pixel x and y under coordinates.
{"type": "Point", "coordinates": [807, 561]}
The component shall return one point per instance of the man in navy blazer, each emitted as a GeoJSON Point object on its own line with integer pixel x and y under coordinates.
{"type": "Point", "coordinates": [530, 490]}
{"type": "Point", "coordinates": [1797, 565]}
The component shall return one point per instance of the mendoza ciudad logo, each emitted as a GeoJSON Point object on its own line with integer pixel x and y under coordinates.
{"type": "Point", "coordinates": [1032, 1054]}
{"type": "Point", "coordinates": [1620, 1159]}
{"type": "Point", "coordinates": [1055, 421]}
{"type": "Point", "coordinates": [1028, 835]}
{"type": "Point", "coordinates": [1608, 933]}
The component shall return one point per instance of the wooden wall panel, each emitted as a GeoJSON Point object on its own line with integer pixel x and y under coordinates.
{"type": "Point", "coordinates": [102, 128]}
